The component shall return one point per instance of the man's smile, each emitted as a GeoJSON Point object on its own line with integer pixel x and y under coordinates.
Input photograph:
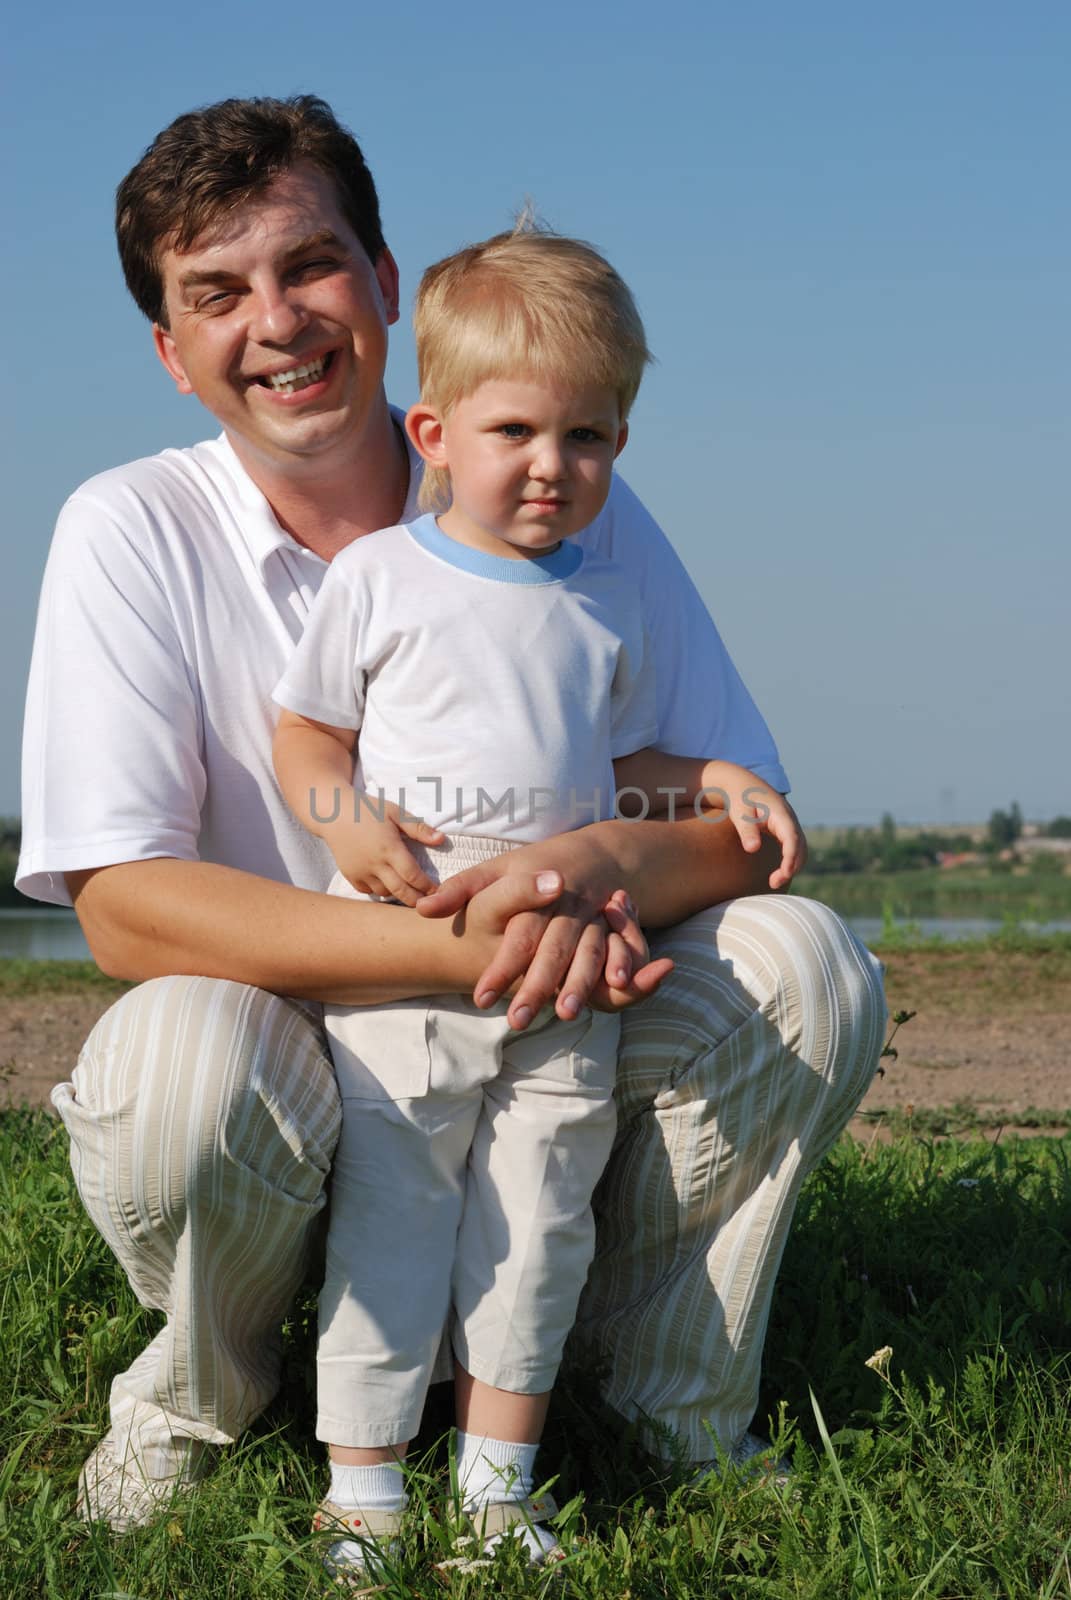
{"type": "Point", "coordinates": [293, 379]}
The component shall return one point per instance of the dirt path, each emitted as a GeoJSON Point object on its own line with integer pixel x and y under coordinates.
{"type": "Point", "coordinates": [992, 1032]}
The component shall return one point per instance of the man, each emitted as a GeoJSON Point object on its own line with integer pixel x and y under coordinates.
{"type": "Point", "coordinates": [203, 1112]}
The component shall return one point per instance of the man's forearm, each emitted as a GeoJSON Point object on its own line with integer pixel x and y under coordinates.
{"type": "Point", "coordinates": [674, 869]}
{"type": "Point", "coordinates": [145, 919]}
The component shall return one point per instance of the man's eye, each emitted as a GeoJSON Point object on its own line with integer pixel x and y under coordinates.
{"type": "Point", "coordinates": [314, 269]}
{"type": "Point", "coordinates": [220, 300]}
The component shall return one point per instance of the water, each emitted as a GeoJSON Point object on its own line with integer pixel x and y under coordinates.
{"type": "Point", "coordinates": [42, 936]}
{"type": "Point", "coordinates": [56, 935]}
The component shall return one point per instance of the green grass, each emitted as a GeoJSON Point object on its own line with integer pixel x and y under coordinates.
{"type": "Point", "coordinates": [964, 1118]}
{"type": "Point", "coordinates": [950, 1478]}
{"type": "Point", "coordinates": [19, 977]}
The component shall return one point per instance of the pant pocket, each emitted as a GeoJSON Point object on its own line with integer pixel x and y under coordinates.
{"type": "Point", "coordinates": [464, 1044]}
{"type": "Point", "coordinates": [380, 1052]}
{"type": "Point", "coordinates": [594, 1055]}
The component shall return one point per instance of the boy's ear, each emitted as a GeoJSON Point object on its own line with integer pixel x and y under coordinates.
{"type": "Point", "coordinates": [622, 439]}
{"type": "Point", "coordinates": [424, 426]}
{"type": "Point", "coordinates": [167, 350]}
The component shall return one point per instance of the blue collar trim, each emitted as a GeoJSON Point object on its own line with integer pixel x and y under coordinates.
{"type": "Point", "coordinates": [560, 563]}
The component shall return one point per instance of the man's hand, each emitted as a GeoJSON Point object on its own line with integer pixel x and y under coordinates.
{"type": "Point", "coordinates": [586, 947]}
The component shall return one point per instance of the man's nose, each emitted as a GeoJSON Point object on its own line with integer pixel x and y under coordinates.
{"type": "Point", "coordinates": [278, 315]}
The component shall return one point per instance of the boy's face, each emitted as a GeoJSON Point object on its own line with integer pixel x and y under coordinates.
{"type": "Point", "coordinates": [530, 463]}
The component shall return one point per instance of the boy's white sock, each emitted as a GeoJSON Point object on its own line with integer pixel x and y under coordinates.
{"type": "Point", "coordinates": [378, 1488]}
{"type": "Point", "coordinates": [498, 1469]}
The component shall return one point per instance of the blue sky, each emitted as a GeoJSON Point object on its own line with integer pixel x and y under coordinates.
{"type": "Point", "coordinates": [847, 229]}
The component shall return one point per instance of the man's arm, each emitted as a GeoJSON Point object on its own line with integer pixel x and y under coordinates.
{"type": "Point", "coordinates": [670, 870]}
{"type": "Point", "coordinates": [658, 783]}
{"type": "Point", "coordinates": [145, 919]}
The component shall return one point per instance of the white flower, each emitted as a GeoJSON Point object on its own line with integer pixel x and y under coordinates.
{"type": "Point", "coordinates": [879, 1361]}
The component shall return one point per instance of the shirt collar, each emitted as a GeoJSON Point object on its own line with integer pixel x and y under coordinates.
{"type": "Point", "coordinates": [258, 526]}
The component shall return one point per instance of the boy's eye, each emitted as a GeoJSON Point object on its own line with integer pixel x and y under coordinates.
{"type": "Point", "coordinates": [514, 430]}
{"type": "Point", "coordinates": [584, 435]}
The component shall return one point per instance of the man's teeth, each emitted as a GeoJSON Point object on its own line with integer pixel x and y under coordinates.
{"type": "Point", "coordinates": [297, 378]}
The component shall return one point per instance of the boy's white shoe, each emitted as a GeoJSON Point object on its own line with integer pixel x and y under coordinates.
{"type": "Point", "coordinates": [370, 1536]}
{"type": "Point", "coordinates": [521, 1518]}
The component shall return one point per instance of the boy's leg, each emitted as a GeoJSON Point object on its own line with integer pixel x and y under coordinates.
{"type": "Point", "coordinates": [396, 1195]}
{"type": "Point", "coordinates": [733, 1080]}
{"type": "Point", "coordinates": [526, 1241]}
{"type": "Point", "coordinates": [203, 1115]}
{"type": "Point", "coordinates": [527, 1233]}
{"type": "Point", "coordinates": [396, 1198]}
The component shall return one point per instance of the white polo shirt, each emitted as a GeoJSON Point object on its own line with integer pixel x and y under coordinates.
{"type": "Point", "coordinates": [171, 605]}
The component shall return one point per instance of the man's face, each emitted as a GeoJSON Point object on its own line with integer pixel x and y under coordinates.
{"type": "Point", "coordinates": [278, 323]}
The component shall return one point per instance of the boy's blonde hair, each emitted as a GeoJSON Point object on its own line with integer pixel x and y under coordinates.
{"type": "Point", "coordinates": [531, 304]}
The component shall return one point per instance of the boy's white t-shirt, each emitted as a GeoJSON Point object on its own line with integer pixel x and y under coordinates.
{"type": "Point", "coordinates": [171, 605]}
{"type": "Point", "coordinates": [491, 695]}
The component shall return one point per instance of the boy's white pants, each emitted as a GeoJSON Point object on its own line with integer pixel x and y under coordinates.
{"type": "Point", "coordinates": [203, 1117]}
{"type": "Point", "coordinates": [461, 1195]}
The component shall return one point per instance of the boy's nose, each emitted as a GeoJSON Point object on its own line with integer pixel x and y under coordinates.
{"type": "Point", "coordinates": [548, 463]}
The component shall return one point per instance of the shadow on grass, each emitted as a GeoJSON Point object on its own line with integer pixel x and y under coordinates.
{"type": "Point", "coordinates": [957, 1256]}
{"type": "Point", "coordinates": [946, 1253]}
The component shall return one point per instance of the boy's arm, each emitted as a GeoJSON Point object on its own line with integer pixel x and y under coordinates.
{"type": "Point", "coordinates": [313, 762]}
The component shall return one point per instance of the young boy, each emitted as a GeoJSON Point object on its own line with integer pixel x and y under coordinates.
{"type": "Point", "coordinates": [481, 667]}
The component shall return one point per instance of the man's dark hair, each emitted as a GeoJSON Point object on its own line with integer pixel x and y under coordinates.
{"type": "Point", "coordinates": [209, 162]}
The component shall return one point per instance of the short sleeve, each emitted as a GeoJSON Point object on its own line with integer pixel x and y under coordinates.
{"type": "Point", "coordinates": [634, 702]}
{"type": "Point", "coordinates": [704, 708]}
{"type": "Point", "coordinates": [325, 679]}
{"type": "Point", "coordinates": [112, 763]}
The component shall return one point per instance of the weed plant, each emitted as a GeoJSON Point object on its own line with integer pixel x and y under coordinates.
{"type": "Point", "coordinates": [939, 1470]}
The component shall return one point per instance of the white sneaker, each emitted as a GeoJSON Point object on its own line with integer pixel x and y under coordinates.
{"type": "Point", "coordinates": [751, 1457]}
{"type": "Point", "coordinates": [113, 1487]}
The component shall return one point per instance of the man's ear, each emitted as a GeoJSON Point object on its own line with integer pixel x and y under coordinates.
{"type": "Point", "coordinates": [167, 350]}
{"type": "Point", "coordinates": [622, 439]}
{"type": "Point", "coordinates": [424, 426]}
{"type": "Point", "coordinates": [386, 269]}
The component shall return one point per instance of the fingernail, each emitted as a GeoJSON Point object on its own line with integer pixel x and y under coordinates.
{"type": "Point", "coordinates": [522, 1016]}
{"type": "Point", "coordinates": [570, 1005]}
{"type": "Point", "coordinates": [633, 910]}
{"type": "Point", "coordinates": [546, 882]}
{"type": "Point", "coordinates": [621, 975]}
{"type": "Point", "coordinates": [487, 997]}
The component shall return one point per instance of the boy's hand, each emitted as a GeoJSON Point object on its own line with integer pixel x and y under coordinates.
{"type": "Point", "coordinates": [371, 852]}
{"type": "Point", "coordinates": [754, 808]}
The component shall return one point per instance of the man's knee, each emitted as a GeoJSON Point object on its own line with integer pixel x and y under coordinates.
{"type": "Point", "coordinates": [755, 952]}
{"type": "Point", "coordinates": [212, 1070]}
{"type": "Point", "coordinates": [771, 968]}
